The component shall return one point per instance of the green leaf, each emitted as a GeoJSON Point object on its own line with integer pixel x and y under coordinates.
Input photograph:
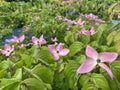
{"type": "Point", "coordinates": [27, 59]}
{"type": "Point", "coordinates": [80, 58]}
{"type": "Point", "coordinates": [100, 31]}
{"type": "Point", "coordinates": [69, 38]}
{"type": "Point", "coordinates": [71, 76]}
{"type": "Point", "coordinates": [115, 67]}
{"type": "Point", "coordinates": [111, 8]}
{"type": "Point", "coordinates": [45, 56]}
{"type": "Point", "coordinates": [43, 73]}
{"type": "Point", "coordinates": [117, 47]}
{"type": "Point", "coordinates": [2, 73]}
{"type": "Point", "coordinates": [75, 48]}
{"type": "Point", "coordinates": [32, 84]}
{"type": "Point", "coordinates": [85, 39]}
{"type": "Point", "coordinates": [13, 86]}
{"type": "Point", "coordinates": [4, 65]}
{"type": "Point", "coordinates": [94, 82]}
{"type": "Point", "coordinates": [9, 84]}
{"type": "Point", "coordinates": [18, 74]}
{"type": "Point", "coordinates": [110, 37]}
{"type": "Point", "coordinates": [84, 79]}
{"type": "Point", "coordinates": [19, 64]}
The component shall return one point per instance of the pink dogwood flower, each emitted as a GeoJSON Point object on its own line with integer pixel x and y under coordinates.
{"type": "Point", "coordinates": [80, 22]}
{"type": "Point", "coordinates": [7, 50]}
{"type": "Point", "coordinates": [18, 39]}
{"type": "Point", "coordinates": [118, 15]}
{"type": "Point", "coordinates": [86, 32]}
{"type": "Point", "coordinates": [92, 31]}
{"type": "Point", "coordinates": [91, 16]}
{"type": "Point", "coordinates": [69, 22]}
{"type": "Point", "coordinates": [95, 58]}
{"type": "Point", "coordinates": [99, 20]}
{"type": "Point", "coordinates": [38, 41]}
{"type": "Point", "coordinates": [58, 50]}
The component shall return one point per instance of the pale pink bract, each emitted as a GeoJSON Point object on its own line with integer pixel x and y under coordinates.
{"type": "Point", "coordinates": [7, 50]}
{"type": "Point", "coordinates": [91, 16]}
{"type": "Point", "coordinates": [87, 32]}
{"type": "Point", "coordinates": [18, 39]}
{"type": "Point", "coordinates": [58, 50]}
{"type": "Point", "coordinates": [95, 58]}
{"type": "Point", "coordinates": [38, 41]}
{"type": "Point", "coordinates": [79, 22]}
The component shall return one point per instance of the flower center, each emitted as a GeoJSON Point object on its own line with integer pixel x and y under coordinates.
{"type": "Point", "coordinates": [37, 42]}
{"type": "Point", "coordinates": [8, 50]}
{"type": "Point", "coordinates": [57, 51]}
{"type": "Point", "coordinates": [98, 60]}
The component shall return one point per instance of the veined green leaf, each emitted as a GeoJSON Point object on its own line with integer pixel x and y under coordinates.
{"type": "Point", "coordinates": [32, 84]}
{"type": "Point", "coordinates": [43, 73]}
{"type": "Point", "coordinates": [9, 84]}
{"type": "Point", "coordinates": [110, 37]}
{"type": "Point", "coordinates": [94, 82]}
{"type": "Point", "coordinates": [70, 37]}
{"type": "Point", "coordinates": [71, 76]}
{"type": "Point", "coordinates": [27, 59]}
{"type": "Point", "coordinates": [75, 48]}
{"type": "Point", "coordinates": [18, 74]}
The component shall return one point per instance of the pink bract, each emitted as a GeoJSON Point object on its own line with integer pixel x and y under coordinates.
{"type": "Point", "coordinates": [18, 39]}
{"type": "Point", "coordinates": [91, 16]}
{"type": "Point", "coordinates": [84, 31]}
{"type": "Point", "coordinates": [58, 50]}
{"type": "Point", "coordinates": [7, 50]}
{"type": "Point", "coordinates": [87, 32]}
{"type": "Point", "coordinates": [80, 22]}
{"type": "Point", "coordinates": [38, 41]}
{"type": "Point", "coordinates": [95, 58]}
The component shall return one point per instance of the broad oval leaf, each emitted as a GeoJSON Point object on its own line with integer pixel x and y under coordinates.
{"type": "Point", "coordinates": [75, 48]}
{"type": "Point", "coordinates": [32, 84]}
{"type": "Point", "coordinates": [43, 73]}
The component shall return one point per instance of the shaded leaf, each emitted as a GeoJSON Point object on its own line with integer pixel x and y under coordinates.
{"type": "Point", "coordinates": [43, 73]}
{"type": "Point", "coordinates": [33, 84]}
{"type": "Point", "coordinates": [75, 48]}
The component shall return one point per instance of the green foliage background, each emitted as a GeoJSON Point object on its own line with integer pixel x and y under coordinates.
{"type": "Point", "coordinates": [34, 68]}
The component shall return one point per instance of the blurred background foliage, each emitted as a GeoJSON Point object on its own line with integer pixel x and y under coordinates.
{"type": "Point", "coordinates": [38, 16]}
{"type": "Point", "coordinates": [31, 68]}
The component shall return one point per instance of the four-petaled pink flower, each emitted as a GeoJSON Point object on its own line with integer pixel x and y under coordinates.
{"type": "Point", "coordinates": [80, 22]}
{"type": "Point", "coordinates": [69, 21]}
{"type": "Point", "coordinates": [100, 20]}
{"type": "Point", "coordinates": [38, 41]}
{"type": "Point", "coordinates": [7, 50]}
{"type": "Point", "coordinates": [91, 16]}
{"type": "Point", "coordinates": [86, 32]}
{"type": "Point", "coordinates": [118, 15]}
{"type": "Point", "coordinates": [18, 39]}
{"type": "Point", "coordinates": [58, 50]}
{"type": "Point", "coordinates": [96, 59]}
